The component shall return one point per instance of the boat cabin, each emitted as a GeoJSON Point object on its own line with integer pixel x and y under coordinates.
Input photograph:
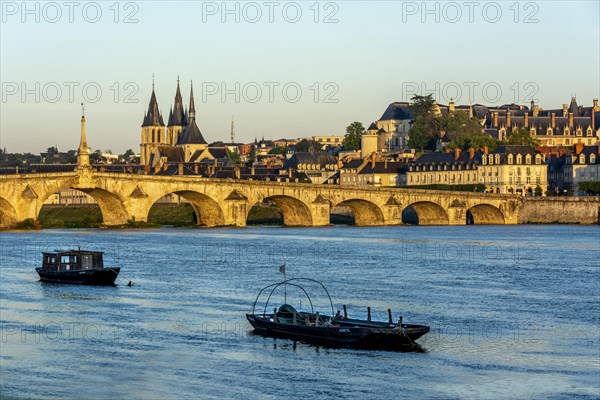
{"type": "Point", "coordinates": [72, 260]}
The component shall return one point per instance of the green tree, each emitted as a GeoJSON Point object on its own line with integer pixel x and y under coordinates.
{"type": "Point", "coordinates": [475, 141]}
{"type": "Point", "coordinates": [235, 157]}
{"type": "Point", "coordinates": [306, 145]}
{"type": "Point", "coordinates": [459, 123]}
{"type": "Point", "coordinates": [590, 187]}
{"type": "Point", "coordinates": [277, 150]}
{"type": "Point", "coordinates": [538, 190]}
{"type": "Point", "coordinates": [128, 153]}
{"type": "Point", "coordinates": [424, 131]}
{"type": "Point", "coordinates": [521, 137]}
{"type": "Point", "coordinates": [354, 132]}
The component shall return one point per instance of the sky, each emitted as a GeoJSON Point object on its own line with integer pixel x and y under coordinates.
{"type": "Point", "coordinates": [279, 68]}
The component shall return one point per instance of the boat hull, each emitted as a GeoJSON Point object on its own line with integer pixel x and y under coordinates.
{"type": "Point", "coordinates": [359, 337]}
{"type": "Point", "coordinates": [100, 277]}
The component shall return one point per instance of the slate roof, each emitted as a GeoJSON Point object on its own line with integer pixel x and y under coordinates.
{"type": "Point", "coordinates": [384, 168]}
{"type": "Point", "coordinates": [191, 134]}
{"type": "Point", "coordinates": [153, 117]}
{"type": "Point", "coordinates": [177, 115]}
{"type": "Point", "coordinates": [397, 111]}
{"type": "Point", "coordinates": [319, 158]}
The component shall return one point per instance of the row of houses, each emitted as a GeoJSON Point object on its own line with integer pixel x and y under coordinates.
{"type": "Point", "coordinates": [507, 169]}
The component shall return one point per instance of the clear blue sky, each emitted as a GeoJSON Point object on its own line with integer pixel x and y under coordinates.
{"type": "Point", "coordinates": [373, 55]}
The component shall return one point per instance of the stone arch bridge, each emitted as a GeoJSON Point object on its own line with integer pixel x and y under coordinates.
{"type": "Point", "coordinates": [217, 202]}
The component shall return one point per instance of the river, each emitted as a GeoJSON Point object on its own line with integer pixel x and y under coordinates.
{"type": "Point", "coordinates": [514, 313]}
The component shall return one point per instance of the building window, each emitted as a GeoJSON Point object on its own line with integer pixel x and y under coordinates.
{"type": "Point", "coordinates": [519, 159]}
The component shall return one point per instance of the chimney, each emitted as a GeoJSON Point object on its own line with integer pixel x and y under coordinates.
{"type": "Point", "coordinates": [485, 150]}
{"type": "Point", "coordinates": [508, 113]}
{"type": "Point", "coordinates": [496, 119]}
{"type": "Point", "coordinates": [451, 105]}
{"type": "Point", "coordinates": [252, 170]}
{"type": "Point", "coordinates": [570, 120]}
{"type": "Point", "coordinates": [471, 153]}
{"type": "Point", "coordinates": [290, 172]}
{"type": "Point", "coordinates": [456, 154]}
{"type": "Point", "coordinates": [526, 120]}
{"type": "Point", "coordinates": [373, 161]}
{"type": "Point", "coordinates": [385, 163]}
{"type": "Point", "coordinates": [180, 169]}
{"type": "Point", "coordinates": [553, 120]}
{"type": "Point", "coordinates": [565, 110]}
{"type": "Point", "coordinates": [237, 172]}
{"type": "Point", "coordinates": [536, 110]}
{"type": "Point", "coordinates": [195, 168]}
{"type": "Point", "coordinates": [596, 107]}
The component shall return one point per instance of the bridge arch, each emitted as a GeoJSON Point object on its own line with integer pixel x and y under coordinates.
{"type": "Point", "coordinates": [485, 214]}
{"type": "Point", "coordinates": [365, 212]}
{"type": "Point", "coordinates": [207, 211]}
{"type": "Point", "coordinates": [8, 214]}
{"type": "Point", "coordinates": [425, 213]}
{"type": "Point", "coordinates": [295, 212]}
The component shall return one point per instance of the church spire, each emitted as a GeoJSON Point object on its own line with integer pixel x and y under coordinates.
{"type": "Point", "coordinates": [178, 116]}
{"type": "Point", "coordinates": [192, 106]}
{"type": "Point", "coordinates": [153, 116]}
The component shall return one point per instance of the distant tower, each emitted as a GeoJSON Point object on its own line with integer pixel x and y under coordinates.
{"type": "Point", "coordinates": [177, 119]}
{"type": "Point", "coordinates": [153, 130]}
{"type": "Point", "coordinates": [232, 131]}
{"type": "Point", "coordinates": [83, 154]}
{"type": "Point", "coordinates": [368, 141]}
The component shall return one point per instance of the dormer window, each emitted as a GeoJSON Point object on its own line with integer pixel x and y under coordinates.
{"type": "Point", "coordinates": [497, 158]}
{"type": "Point", "coordinates": [510, 158]}
{"type": "Point", "coordinates": [538, 159]}
{"type": "Point", "coordinates": [491, 159]}
{"type": "Point", "coordinates": [567, 132]}
{"type": "Point", "coordinates": [528, 159]}
{"type": "Point", "coordinates": [579, 132]}
{"type": "Point", "coordinates": [582, 159]}
{"type": "Point", "coordinates": [592, 159]}
{"type": "Point", "coordinates": [519, 159]}
{"type": "Point", "coordinates": [532, 131]}
{"type": "Point", "coordinates": [589, 131]}
{"type": "Point", "coordinates": [549, 131]}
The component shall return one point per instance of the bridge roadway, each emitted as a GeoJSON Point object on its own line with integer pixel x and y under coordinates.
{"type": "Point", "coordinates": [226, 202]}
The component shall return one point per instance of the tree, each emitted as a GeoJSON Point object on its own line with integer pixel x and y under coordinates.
{"type": "Point", "coordinates": [424, 131]}
{"type": "Point", "coordinates": [476, 141]}
{"type": "Point", "coordinates": [459, 123]}
{"type": "Point", "coordinates": [353, 136]}
{"type": "Point", "coordinates": [590, 187]}
{"type": "Point", "coordinates": [306, 145]}
{"type": "Point", "coordinates": [521, 137]}
{"type": "Point", "coordinates": [128, 153]}
{"type": "Point", "coordinates": [235, 157]}
{"type": "Point", "coordinates": [538, 190]}
{"type": "Point", "coordinates": [277, 150]}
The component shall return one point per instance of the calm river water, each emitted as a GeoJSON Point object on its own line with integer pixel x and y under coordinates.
{"type": "Point", "coordinates": [514, 312]}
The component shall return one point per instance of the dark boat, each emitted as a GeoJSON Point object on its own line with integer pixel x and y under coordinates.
{"type": "Point", "coordinates": [332, 331]}
{"type": "Point", "coordinates": [76, 266]}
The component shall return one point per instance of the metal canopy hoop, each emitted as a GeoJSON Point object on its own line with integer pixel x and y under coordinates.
{"type": "Point", "coordinates": [274, 286]}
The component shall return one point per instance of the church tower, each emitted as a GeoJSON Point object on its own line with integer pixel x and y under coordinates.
{"type": "Point", "coordinates": [177, 119]}
{"type": "Point", "coordinates": [191, 138]}
{"type": "Point", "coordinates": [153, 130]}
